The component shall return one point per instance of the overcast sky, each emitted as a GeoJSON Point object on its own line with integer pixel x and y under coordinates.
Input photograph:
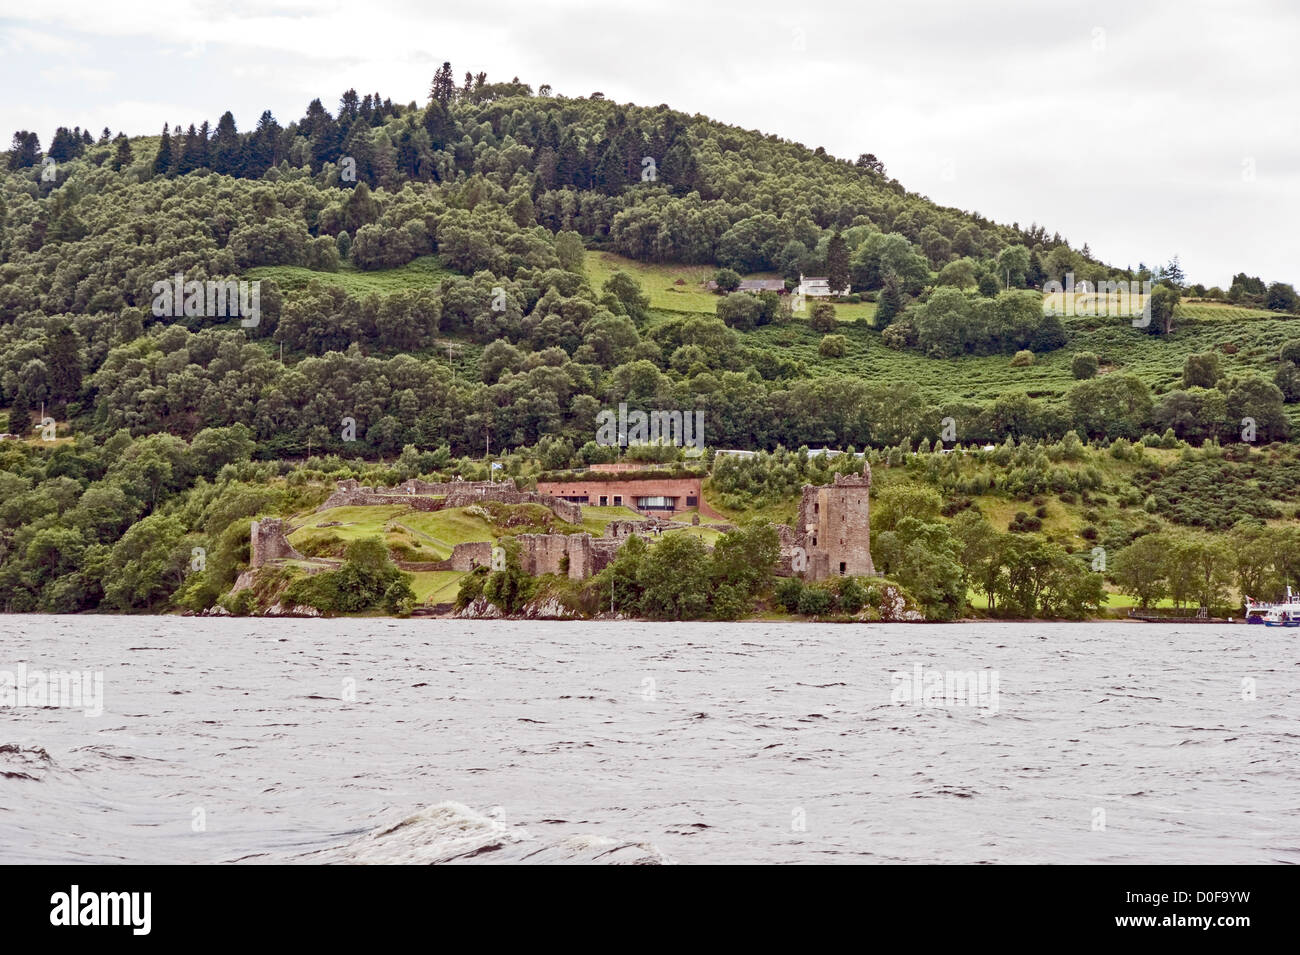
{"type": "Point", "coordinates": [1144, 129]}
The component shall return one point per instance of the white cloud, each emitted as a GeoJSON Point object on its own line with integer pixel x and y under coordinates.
{"type": "Point", "coordinates": [80, 76]}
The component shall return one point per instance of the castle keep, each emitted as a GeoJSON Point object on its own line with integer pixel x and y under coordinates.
{"type": "Point", "coordinates": [834, 527]}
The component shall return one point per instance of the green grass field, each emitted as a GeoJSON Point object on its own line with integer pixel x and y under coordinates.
{"type": "Point", "coordinates": [594, 519]}
{"type": "Point", "coordinates": [354, 522]}
{"type": "Point", "coordinates": [660, 282]}
{"type": "Point", "coordinates": [435, 532]}
{"type": "Point", "coordinates": [449, 528]}
{"type": "Point", "coordinates": [435, 586]}
{"type": "Point", "coordinates": [707, 534]}
{"type": "Point", "coordinates": [1222, 312]}
{"type": "Point", "coordinates": [424, 272]}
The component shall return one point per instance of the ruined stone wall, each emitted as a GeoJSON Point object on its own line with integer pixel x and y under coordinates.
{"type": "Point", "coordinates": [621, 530]}
{"type": "Point", "coordinates": [589, 555]}
{"type": "Point", "coordinates": [788, 541]}
{"type": "Point", "coordinates": [564, 510]}
{"type": "Point", "coordinates": [366, 497]}
{"type": "Point", "coordinates": [465, 557]}
{"type": "Point", "coordinates": [454, 494]}
{"type": "Point", "coordinates": [267, 542]}
{"type": "Point", "coordinates": [416, 486]}
{"type": "Point", "coordinates": [506, 494]}
{"type": "Point", "coordinates": [539, 554]}
{"type": "Point", "coordinates": [543, 553]}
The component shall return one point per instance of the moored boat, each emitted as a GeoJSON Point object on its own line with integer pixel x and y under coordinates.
{"type": "Point", "coordinates": [1285, 613]}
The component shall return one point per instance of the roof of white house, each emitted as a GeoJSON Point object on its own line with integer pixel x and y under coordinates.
{"type": "Point", "coordinates": [816, 285]}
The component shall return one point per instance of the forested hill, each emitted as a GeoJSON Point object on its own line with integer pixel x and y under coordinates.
{"type": "Point", "coordinates": [425, 286]}
{"type": "Point", "coordinates": [428, 272]}
{"type": "Point", "coordinates": [709, 188]}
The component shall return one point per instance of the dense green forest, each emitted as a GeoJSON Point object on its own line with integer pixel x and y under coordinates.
{"type": "Point", "coordinates": [485, 272]}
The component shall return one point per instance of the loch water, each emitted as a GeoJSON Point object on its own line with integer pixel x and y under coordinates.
{"type": "Point", "coordinates": [423, 741]}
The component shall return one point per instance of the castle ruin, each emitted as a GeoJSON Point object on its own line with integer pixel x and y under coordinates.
{"type": "Point", "coordinates": [833, 528]}
{"type": "Point", "coordinates": [831, 536]}
{"type": "Point", "coordinates": [267, 542]}
{"type": "Point", "coordinates": [425, 496]}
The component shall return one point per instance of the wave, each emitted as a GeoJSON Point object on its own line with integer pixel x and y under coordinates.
{"type": "Point", "coordinates": [25, 762]}
{"type": "Point", "coordinates": [450, 832]}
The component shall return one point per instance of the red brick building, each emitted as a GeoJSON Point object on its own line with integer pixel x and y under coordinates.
{"type": "Point", "coordinates": [656, 496]}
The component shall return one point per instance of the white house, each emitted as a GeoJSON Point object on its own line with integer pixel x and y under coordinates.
{"type": "Point", "coordinates": [817, 287]}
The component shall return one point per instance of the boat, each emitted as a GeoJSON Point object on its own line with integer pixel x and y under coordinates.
{"type": "Point", "coordinates": [1281, 617]}
{"type": "Point", "coordinates": [1285, 613]}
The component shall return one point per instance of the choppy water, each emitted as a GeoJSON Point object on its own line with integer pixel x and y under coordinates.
{"type": "Point", "coordinates": [648, 743]}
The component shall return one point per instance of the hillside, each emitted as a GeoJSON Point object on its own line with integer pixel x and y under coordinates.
{"type": "Point", "coordinates": [426, 286]}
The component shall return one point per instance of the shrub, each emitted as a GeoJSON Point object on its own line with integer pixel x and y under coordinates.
{"type": "Point", "coordinates": [898, 336]}
{"type": "Point", "coordinates": [1023, 357]}
{"type": "Point", "coordinates": [852, 596]}
{"type": "Point", "coordinates": [833, 346]}
{"type": "Point", "coordinates": [730, 602]}
{"type": "Point", "coordinates": [471, 587]}
{"type": "Point", "coordinates": [1084, 365]}
{"type": "Point", "coordinates": [740, 310]}
{"type": "Point", "coordinates": [727, 280]}
{"type": "Point", "coordinates": [239, 604]}
{"type": "Point", "coordinates": [1201, 370]}
{"type": "Point", "coordinates": [823, 317]}
{"type": "Point", "coordinates": [788, 592]}
{"type": "Point", "coordinates": [399, 599]}
{"type": "Point", "coordinates": [1024, 524]}
{"type": "Point", "coordinates": [814, 602]}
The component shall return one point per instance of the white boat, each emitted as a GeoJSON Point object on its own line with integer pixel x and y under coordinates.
{"type": "Point", "coordinates": [1285, 613]}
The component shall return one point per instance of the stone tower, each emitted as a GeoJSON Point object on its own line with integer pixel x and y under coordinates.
{"type": "Point", "coordinates": [834, 526]}
{"type": "Point", "coordinates": [269, 543]}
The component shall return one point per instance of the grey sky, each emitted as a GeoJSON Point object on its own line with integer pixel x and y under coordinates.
{"type": "Point", "coordinates": [1144, 129]}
